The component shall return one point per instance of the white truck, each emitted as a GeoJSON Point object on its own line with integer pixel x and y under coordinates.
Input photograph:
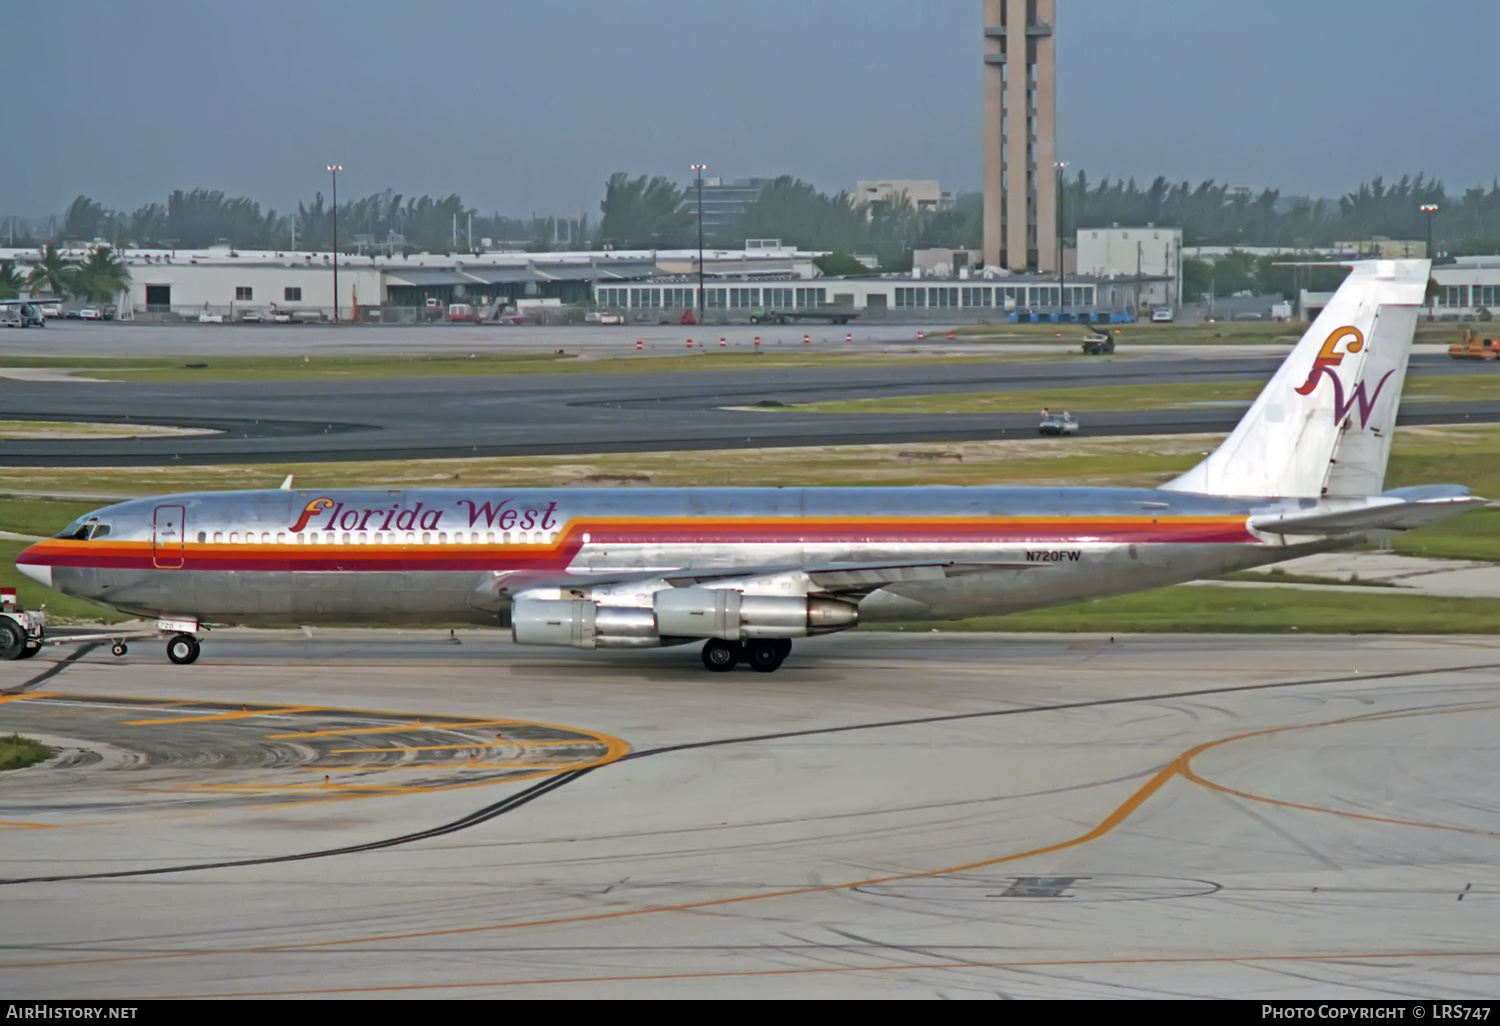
{"type": "Point", "coordinates": [20, 631]}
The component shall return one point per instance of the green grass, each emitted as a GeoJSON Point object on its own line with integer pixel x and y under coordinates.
{"type": "Point", "coordinates": [1210, 610]}
{"type": "Point", "coordinates": [663, 359]}
{"type": "Point", "coordinates": [1276, 575]}
{"type": "Point", "coordinates": [17, 752]}
{"type": "Point", "coordinates": [1450, 388]}
{"type": "Point", "coordinates": [24, 514]}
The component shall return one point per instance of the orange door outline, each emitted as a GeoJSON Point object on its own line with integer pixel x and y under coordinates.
{"type": "Point", "coordinates": [168, 527]}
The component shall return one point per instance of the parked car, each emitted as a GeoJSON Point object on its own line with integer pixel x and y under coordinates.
{"type": "Point", "coordinates": [90, 313]}
{"type": "Point", "coordinates": [10, 317]}
{"type": "Point", "coordinates": [1059, 424]}
{"type": "Point", "coordinates": [252, 317]}
{"type": "Point", "coordinates": [1161, 315]}
{"type": "Point", "coordinates": [52, 309]}
{"type": "Point", "coordinates": [210, 318]}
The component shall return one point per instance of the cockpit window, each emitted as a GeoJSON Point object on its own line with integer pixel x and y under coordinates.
{"type": "Point", "coordinates": [84, 530]}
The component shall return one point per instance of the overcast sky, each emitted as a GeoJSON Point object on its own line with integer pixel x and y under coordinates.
{"type": "Point", "coordinates": [526, 106]}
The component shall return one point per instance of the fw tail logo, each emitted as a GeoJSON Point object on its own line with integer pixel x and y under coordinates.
{"type": "Point", "coordinates": [1323, 366]}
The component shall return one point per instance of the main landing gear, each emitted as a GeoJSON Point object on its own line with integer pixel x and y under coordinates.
{"type": "Point", "coordinates": [181, 649]}
{"type": "Point", "coordinates": [764, 655]}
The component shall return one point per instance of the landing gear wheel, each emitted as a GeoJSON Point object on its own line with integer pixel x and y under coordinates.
{"type": "Point", "coordinates": [119, 648]}
{"type": "Point", "coordinates": [12, 641]}
{"type": "Point", "coordinates": [720, 656]}
{"type": "Point", "coordinates": [765, 655]}
{"type": "Point", "coordinates": [182, 649]}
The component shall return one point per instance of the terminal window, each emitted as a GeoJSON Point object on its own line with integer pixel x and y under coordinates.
{"type": "Point", "coordinates": [244, 292]}
{"type": "Point", "coordinates": [292, 295]}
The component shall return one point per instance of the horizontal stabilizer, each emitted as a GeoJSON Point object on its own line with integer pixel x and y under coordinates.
{"type": "Point", "coordinates": [1378, 513]}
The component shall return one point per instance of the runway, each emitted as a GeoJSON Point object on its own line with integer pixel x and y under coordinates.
{"type": "Point", "coordinates": [564, 414]}
{"type": "Point", "coordinates": [889, 815]}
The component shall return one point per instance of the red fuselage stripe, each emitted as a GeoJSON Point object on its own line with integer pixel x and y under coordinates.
{"type": "Point", "coordinates": [465, 556]}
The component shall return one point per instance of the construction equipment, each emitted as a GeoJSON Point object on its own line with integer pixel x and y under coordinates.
{"type": "Point", "coordinates": [1475, 348]}
{"type": "Point", "coordinates": [1097, 345]}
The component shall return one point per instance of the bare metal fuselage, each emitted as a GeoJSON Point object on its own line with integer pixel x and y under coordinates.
{"type": "Point", "coordinates": [443, 556]}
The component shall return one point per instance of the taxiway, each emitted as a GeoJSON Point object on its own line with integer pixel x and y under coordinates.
{"type": "Point", "coordinates": [890, 815]}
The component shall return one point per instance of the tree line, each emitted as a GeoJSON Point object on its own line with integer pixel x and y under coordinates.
{"type": "Point", "coordinates": [641, 212]}
{"type": "Point", "coordinates": [99, 277]}
{"type": "Point", "coordinates": [198, 218]}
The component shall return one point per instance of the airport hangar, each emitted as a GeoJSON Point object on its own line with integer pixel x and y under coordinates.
{"type": "Point", "coordinates": [645, 286]}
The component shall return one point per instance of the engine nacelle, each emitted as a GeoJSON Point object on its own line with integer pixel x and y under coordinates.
{"type": "Point", "coordinates": [581, 624]}
{"type": "Point", "coordinates": [724, 613]}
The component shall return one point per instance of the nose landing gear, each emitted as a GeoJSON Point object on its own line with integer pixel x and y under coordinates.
{"type": "Point", "coordinates": [119, 648]}
{"type": "Point", "coordinates": [765, 655]}
{"type": "Point", "coordinates": [181, 649]}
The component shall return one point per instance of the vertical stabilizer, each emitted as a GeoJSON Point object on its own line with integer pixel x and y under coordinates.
{"type": "Point", "coordinates": [1323, 424]}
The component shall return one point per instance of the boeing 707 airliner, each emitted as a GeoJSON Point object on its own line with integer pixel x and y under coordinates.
{"type": "Point", "coordinates": [743, 571]}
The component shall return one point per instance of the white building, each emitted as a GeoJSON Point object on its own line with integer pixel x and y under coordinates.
{"type": "Point", "coordinates": [219, 280]}
{"type": "Point", "coordinates": [1468, 288]}
{"type": "Point", "coordinates": [925, 195]}
{"type": "Point", "coordinates": [1139, 252]}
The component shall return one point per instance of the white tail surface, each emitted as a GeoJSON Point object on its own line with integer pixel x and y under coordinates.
{"type": "Point", "coordinates": [1323, 424]}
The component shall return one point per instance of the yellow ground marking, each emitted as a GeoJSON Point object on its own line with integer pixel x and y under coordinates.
{"type": "Point", "coordinates": [215, 717]}
{"type": "Point", "coordinates": [474, 744]}
{"type": "Point", "coordinates": [11, 824]}
{"type": "Point", "coordinates": [372, 790]}
{"type": "Point", "coordinates": [1188, 773]}
{"type": "Point", "coordinates": [419, 767]}
{"type": "Point", "coordinates": [414, 725]}
{"type": "Point", "coordinates": [27, 694]}
{"type": "Point", "coordinates": [1053, 963]}
{"type": "Point", "coordinates": [1109, 823]}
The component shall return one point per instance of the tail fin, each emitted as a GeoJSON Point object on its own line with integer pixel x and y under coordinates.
{"type": "Point", "coordinates": [1323, 424]}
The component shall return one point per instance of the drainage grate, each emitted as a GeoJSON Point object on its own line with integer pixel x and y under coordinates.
{"type": "Point", "coordinates": [1040, 886]}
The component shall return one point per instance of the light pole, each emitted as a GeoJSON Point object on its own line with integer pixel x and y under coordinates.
{"type": "Point", "coordinates": [1062, 301]}
{"type": "Point", "coordinates": [698, 169]}
{"type": "Point", "coordinates": [1429, 209]}
{"type": "Point", "coordinates": [334, 170]}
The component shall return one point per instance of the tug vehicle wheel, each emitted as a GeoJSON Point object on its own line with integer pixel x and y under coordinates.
{"type": "Point", "coordinates": [12, 641]}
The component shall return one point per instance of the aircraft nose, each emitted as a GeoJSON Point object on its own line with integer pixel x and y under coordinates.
{"type": "Point", "coordinates": [41, 573]}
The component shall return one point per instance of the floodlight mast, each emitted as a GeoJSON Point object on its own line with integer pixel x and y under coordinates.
{"type": "Point", "coordinates": [1429, 209]}
{"type": "Point", "coordinates": [698, 169]}
{"type": "Point", "coordinates": [334, 170]}
{"type": "Point", "coordinates": [1062, 302]}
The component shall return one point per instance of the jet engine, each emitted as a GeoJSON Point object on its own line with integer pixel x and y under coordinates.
{"type": "Point", "coordinates": [728, 614]}
{"type": "Point", "coordinates": [677, 615]}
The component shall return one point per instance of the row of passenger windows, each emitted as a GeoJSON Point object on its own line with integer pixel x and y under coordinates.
{"type": "Point", "coordinates": [382, 538]}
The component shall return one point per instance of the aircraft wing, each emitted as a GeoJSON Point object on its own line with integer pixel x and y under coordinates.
{"type": "Point", "coordinates": [849, 578]}
{"type": "Point", "coordinates": [1380, 513]}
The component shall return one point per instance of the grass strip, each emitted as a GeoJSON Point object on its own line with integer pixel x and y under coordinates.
{"type": "Point", "coordinates": [17, 752]}
{"type": "Point", "coordinates": [1207, 609]}
{"type": "Point", "coordinates": [1180, 395]}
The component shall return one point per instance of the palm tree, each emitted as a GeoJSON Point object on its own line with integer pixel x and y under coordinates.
{"type": "Point", "coordinates": [52, 273]}
{"type": "Point", "coordinates": [11, 282]}
{"type": "Point", "coordinates": [102, 277]}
